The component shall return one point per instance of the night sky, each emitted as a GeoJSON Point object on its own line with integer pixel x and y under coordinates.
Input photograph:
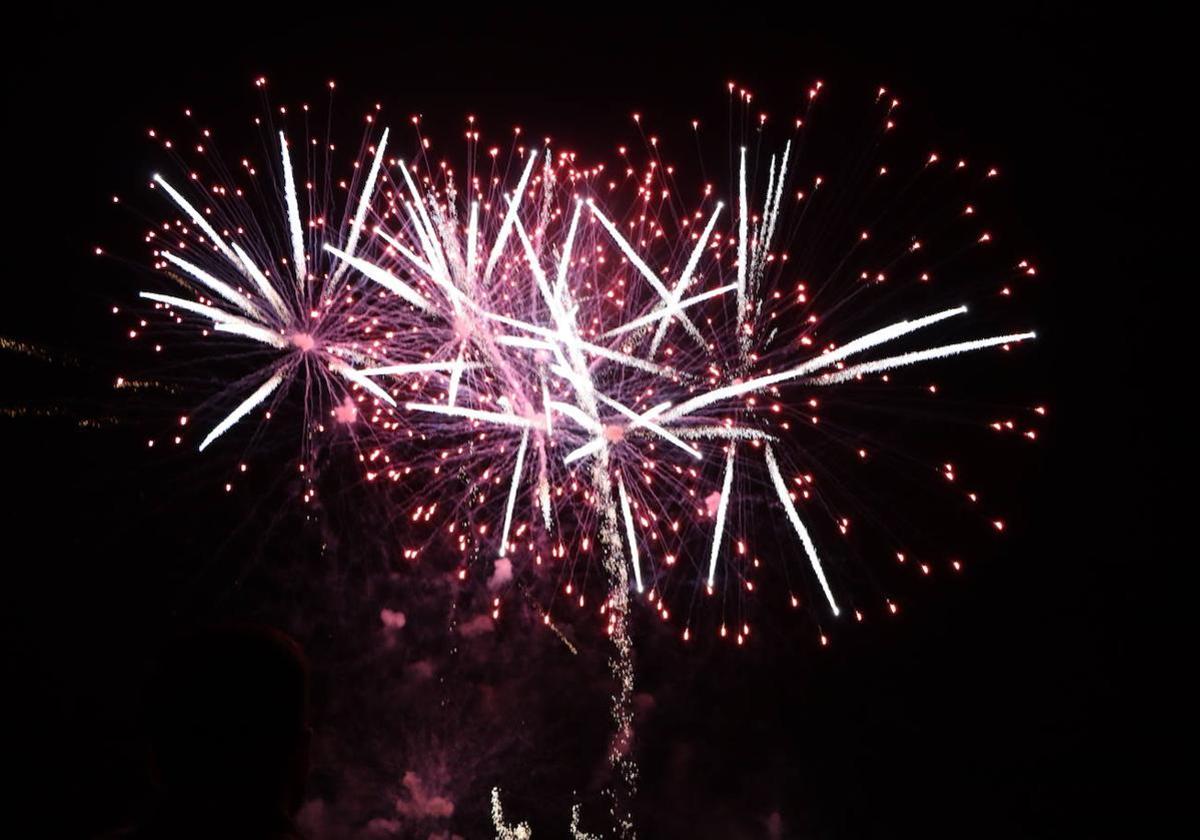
{"type": "Point", "coordinates": [1004, 704]}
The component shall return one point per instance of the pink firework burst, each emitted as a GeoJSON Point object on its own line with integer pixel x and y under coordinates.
{"type": "Point", "coordinates": [560, 360]}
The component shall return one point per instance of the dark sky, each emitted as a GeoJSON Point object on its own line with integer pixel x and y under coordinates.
{"type": "Point", "coordinates": [1008, 706]}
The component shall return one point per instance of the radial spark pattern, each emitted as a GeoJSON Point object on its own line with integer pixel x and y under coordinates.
{"type": "Point", "coordinates": [551, 360]}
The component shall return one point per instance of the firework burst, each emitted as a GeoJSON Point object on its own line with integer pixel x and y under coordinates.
{"type": "Point", "coordinates": [560, 361]}
{"type": "Point", "coordinates": [568, 360]}
{"type": "Point", "coordinates": [608, 372]}
{"type": "Point", "coordinates": [268, 281]}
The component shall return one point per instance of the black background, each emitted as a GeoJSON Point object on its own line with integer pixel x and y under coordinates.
{"type": "Point", "coordinates": [1011, 706]}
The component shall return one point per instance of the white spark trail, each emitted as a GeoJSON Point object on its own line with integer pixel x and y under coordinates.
{"type": "Point", "coordinates": [627, 360]}
{"type": "Point", "coordinates": [544, 500]}
{"type": "Point", "coordinates": [219, 316]}
{"type": "Point", "coordinates": [264, 285]}
{"type": "Point", "coordinates": [293, 211]}
{"type": "Point", "coordinates": [920, 356]}
{"type": "Point", "coordinates": [383, 277]}
{"type": "Point", "coordinates": [661, 315]}
{"type": "Point", "coordinates": [646, 271]}
{"type": "Point", "coordinates": [455, 378]}
{"type": "Point", "coordinates": [261, 393]}
{"type": "Point", "coordinates": [771, 212]}
{"type": "Point", "coordinates": [416, 213]}
{"type": "Point", "coordinates": [509, 218]}
{"type": "Point", "coordinates": [565, 324]}
{"type": "Point", "coordinates": [198, 218]}
{"type": "Point", "coordinates": [719, 432]}
{"type": "Point", "coordinates": [192, 306]}
{"type": "Point", "coordinates": [517, 323]}
{"type": "Point", "coordinates": [762, 225]}
{"type": "Point", "coordinates": [576, 414]}
{"type": "Point", "coordinates": [639, 420]}
{"type": "Point", "coordinates": [253, 331]}
{"type": "Point", "coordinates": [811, 550]}
{"type": "Point", "coordinates": [512, 491]}
{"type": "Point", "coordinates": [588, 449]}
{"type": "Point", "coordinates": [546, 406]}
{"type": "Point", "coordinates": [743, 243]}
{"type": "Point", "coordinates": [643, 420]}
{"type": "Point", "coordinates": [759, 247]}
{"type": "Point", "coordinates": [564, 262]}
{"type": "Point", "coordinates": [594, 349]}
{"type": "Point", "coordinates": [408, 253]}
{"type": "Point", "coordinates": [865, 342]}
{"type": "Point", "coordinates": [630, 534]}
{"type": "Point", "coordinates": [220, 287]}
{"type": "Point", "coordinates": [356, 376]}
{"type": "Point", "coordinates": [881, 336]}
{"type": "Point", "coordinates": [436, 268]}
{"type": "Point", "coordinates": [504, 831]}
{"type": "Point", "coordinates": [525, 343]}
{"type": "Point", "coordinates": [364, 203]}
{"type": "Point", "coordinates": [425, 229]}
{"type": "Point", "coordinates": [722, 511]}
{"type": "Point", "coordinates": [685, 280]}
{"type": "Point", "coordinates": [472, 241]}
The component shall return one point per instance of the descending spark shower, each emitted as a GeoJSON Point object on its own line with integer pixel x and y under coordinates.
{"type": "Point", "coordinates": [560, 367]}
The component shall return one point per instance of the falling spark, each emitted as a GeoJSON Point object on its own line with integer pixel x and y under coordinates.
{"type": "Point", "coordinates": [811, 550]}
{"type": "Point", "coordinates": [722, 510]}
{"type": "Point", "coordinates": [261, 393]}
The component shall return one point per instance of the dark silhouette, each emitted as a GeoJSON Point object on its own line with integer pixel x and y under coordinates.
{"type": "Point", "coordinates": [229, 732]}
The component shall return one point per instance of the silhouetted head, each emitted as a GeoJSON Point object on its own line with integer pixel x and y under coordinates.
{"type": "Point", "coordinates": [228, 715]}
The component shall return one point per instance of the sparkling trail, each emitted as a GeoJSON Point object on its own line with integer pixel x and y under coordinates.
{"type": "Point", "coordinates": [356, 376]}
{"type": "Point", "coordinates": [809, 549]}
{"type": "Point", "coordinates": [942, 352]}
{"type": "Point", "coordinates": [643, 420]}
{"type": "Point", "coordinates": [293, 212]}
{"type": "Point", "coordinates": [663, 314]}
{"type": "Point", "coordinates": [743, 244]}
{"type": "Point", "coordinates": [264, 285]}
{"type": "Point", "coordinates": [219, 316]}
{"type": "Point", "coordinates": [630, 534]}
{"type": "Point", "coordinates": [512, 491]}
{"type": "Point", "coordinates": [383, 277]}
{"type": "Point", "coordinates": [865, 342]}
{"type": "Point", "coordinates": [261, 393]}
{"type": "Point", "coordinates": [198, 218]}
{"type": "Point", "coordinates": [221, 288]}
{"type": "Point", "coordinates": [472, 241]}
{"type": "Point", "coordinates": [408, 253]}
{"type": "Point", "coordinates": [427, 234]}
{"type": "Point", "coordinates": [360, 215]}
{"type": "Point", "coordinates": [254, 332]}
{"type": "Point", "coordinates": [646, 271]}
{"type": "Point", "coordinates": [685, 280]}
{"type": "Point", "coordinates": [722, 510]}
{"type": "Point", "coordinates": [509, 218]}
